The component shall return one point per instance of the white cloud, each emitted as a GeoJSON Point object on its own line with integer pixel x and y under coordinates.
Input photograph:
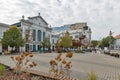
{"type": "Point", "coordinates": [101, 15]}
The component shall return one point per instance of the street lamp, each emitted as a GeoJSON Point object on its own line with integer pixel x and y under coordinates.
{"type": "Point", "coordinates": [110, 41]}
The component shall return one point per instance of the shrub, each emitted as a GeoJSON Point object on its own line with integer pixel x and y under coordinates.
{"type": "Point", "coordinates": [1, 69]}
{"type": "Point", "coordinates": [119, 77]}
{"type": "Point", "coordinates": [92, 76]}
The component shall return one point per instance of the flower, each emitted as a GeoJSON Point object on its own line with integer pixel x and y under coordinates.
{"type": "Point", "coordinates": [69, 54]}
{"type": "Point", "coordinates": [64, 61]}
{"type": "Point", "coordinates": [12, 57]}
{"type": "Point", "coordinates": [30, 55]}
{"type": "Point", "coordinates": [22, 55]}
{"type": "Point", "coordinates": [58, 57]}
{"type": "Point", "coordinates": [34, 63]}
{"type": "Point", "coordinates": [68, 65]}
{"type": "Point", "coordinates": [26, 53]}
{"type": "Point", "coordinates": [53, 62]}
{"type": "Point", "coordinates": [31, 65]}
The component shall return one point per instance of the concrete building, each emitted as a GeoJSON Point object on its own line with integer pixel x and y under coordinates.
{"type": "Point", "coordinates": [76, 30]}
{"type": "Point", "coordinates": [54, 38]}
{"type": "Point", "coordinates": [3, 28]}
{"type": "Point", "coordinates": [117, 42]}
{"type": "Point", "coordinates": [85, 29]}
{"type": "Point", "coordinates": [34, 30]}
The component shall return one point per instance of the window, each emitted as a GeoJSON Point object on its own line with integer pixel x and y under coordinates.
{"type": "Point", "coordinates": [43, 35]}
{"type": "Point", "coordinates": [76, 36]}
{"type": "Point", "coordinates": [34, 35]}
{"type": "Point", "coordinates": [71, 37]}
{"type": "Point", "coordinates": [53, 41]}
{"type": "Point", "coordinates": [39, 35]}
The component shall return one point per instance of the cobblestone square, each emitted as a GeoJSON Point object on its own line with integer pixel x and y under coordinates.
{"type": "Point", "coordinates": [105, 67]}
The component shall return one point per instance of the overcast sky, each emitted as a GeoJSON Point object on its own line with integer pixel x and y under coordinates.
{"type": "Point", "coordinates": [101, 15]}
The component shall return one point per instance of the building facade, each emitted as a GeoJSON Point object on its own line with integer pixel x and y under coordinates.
{"type": "Point", "coordinates": [117, 42]}
{"type": "Point", "coordinates": [3, 28]}
{"type": "Point", "coordinates": [33, 30]}
{"type": "Point", "coordinates": [76, 30]}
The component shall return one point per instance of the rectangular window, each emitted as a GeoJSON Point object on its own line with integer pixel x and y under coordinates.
{"type": "Point", "coordinates": [43, 35]}
{"type": "Point", "coordinates": [39, 35]}
{"type": "Point", "coordinates": [76, 36]}
{"type": "Point", "coordinates": [53, 41]}
{"type": "Point", "coordinates": [34, 35]}
{"type": "Point", "coordinates": [71, 37]}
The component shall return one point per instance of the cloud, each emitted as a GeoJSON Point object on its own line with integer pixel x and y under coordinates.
{"type": "Point", "coordinates": [100, 15]}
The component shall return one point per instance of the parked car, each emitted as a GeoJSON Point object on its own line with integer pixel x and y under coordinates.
{"type": "Point", "coordinates": [87, 50]}
{"type": "Point", "coordinates": [106, 50]}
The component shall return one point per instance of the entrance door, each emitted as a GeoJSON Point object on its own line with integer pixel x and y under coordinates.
{"type": "Point", "coordinates": [34, 48]}
{"type": "Point", "coordinates": [39, 48]}
{"type": "Point", "coordinates": [27, 47]}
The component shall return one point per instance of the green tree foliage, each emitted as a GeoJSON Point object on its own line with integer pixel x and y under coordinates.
{"type": "Point", "coordinates": [75, 43]}
{"type": "Point", "coordinates": [66, 40]}
{"type": "Point", "coordinates": [46, 43]}
{"type": "Point", "coordinates": [58, 43]}
{"type": "Point", "coordinates": [12, 37]}
{"type": "Point", "coordinates": [2, 68]}
{"type": "Point", "coordinates": [105, 42]}
{"type": "Point", "coordinates": [93, 43]}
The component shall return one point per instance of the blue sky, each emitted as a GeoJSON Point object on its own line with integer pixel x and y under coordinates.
{"type": "Point", "coordinates": [101, 15]}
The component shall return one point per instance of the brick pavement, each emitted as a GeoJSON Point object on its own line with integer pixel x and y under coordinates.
{"type": "Point", "coordinates": [105, 67]}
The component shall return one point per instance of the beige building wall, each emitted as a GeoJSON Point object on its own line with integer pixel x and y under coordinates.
{"type": "Point", "coordinates": [78, 26]}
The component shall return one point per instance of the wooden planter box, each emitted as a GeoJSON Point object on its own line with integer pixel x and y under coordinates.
{"type": "Point", "coordinates": [49, 76]}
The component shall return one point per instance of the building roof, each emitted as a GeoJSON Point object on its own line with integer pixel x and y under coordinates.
{"type": "Point", "coordinates": [18, 24]}
{"type": "Point", "coordinates": [78, 26]}
{"type": "Point", "coordinates": [70, 31]}
{"type": "Point", "coordinates": [26, 21]}
{"type": "Point", "coordinates": [117, 36]}
{"type": "Point", "coordinates": [39, 17]}
{"type": "Point", "coordinates": [4, 25]}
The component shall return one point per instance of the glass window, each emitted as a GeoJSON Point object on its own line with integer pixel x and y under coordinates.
{"type": "Point", "coordinates": [39, 35]}
{"type": "Point", "coordinates": [53, 41]}
{"type": "Point", "coordinates": [71, 37]}
{"type": "Point", "coordinates": [76, 36]}
{"type": "Point", "coordinates": [34, 35]}
{"type": "Point", "coordinates": [43, 35]}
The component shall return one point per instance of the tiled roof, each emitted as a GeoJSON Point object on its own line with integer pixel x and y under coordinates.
{"type": "Point", "coordinates": [117, 36]}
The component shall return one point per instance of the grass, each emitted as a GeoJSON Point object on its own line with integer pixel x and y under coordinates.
{"type": "Point", "coordinates": [92, 76]}
{"type": "Point", "coordinates": [119, 77]}
{"type": "Point", "coordinates": [2, 68]}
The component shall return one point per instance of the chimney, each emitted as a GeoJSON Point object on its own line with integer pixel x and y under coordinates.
{"type": "Point", "coordinates": [38, 14]}
{"type": "Point", "coordinates": [23, 17]}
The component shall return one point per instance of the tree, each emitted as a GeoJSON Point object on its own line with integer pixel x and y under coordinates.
{"type": "Point", "coordinates": [75, 43]}
{"type": "Point", "coordinates": [66, 40]}
{"type": "Point", "coordinates": [46, 44]}
{"type": "Point", "coordinates": [58, 43]}
{"type": "Point", "coordinates": [94, 43]}
{"type": "Point", "coordinates": [13, 38]}
{"type": "Point", "coordinates": [106, 41]}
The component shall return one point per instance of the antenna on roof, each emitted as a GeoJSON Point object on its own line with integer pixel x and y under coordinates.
{"type": "Point", "coordinates": [23, 17]}
{"type": "Point", "coordinates": [39, 14]}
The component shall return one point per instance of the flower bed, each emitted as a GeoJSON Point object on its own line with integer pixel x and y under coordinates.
{"type": "Point", "coordinates": [23, 69]}
{"type": "Point", "coordinates": [31, 75]}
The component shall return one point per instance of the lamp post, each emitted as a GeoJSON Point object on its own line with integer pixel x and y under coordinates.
{"type": "Point", "coordinates": [110, 41]}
